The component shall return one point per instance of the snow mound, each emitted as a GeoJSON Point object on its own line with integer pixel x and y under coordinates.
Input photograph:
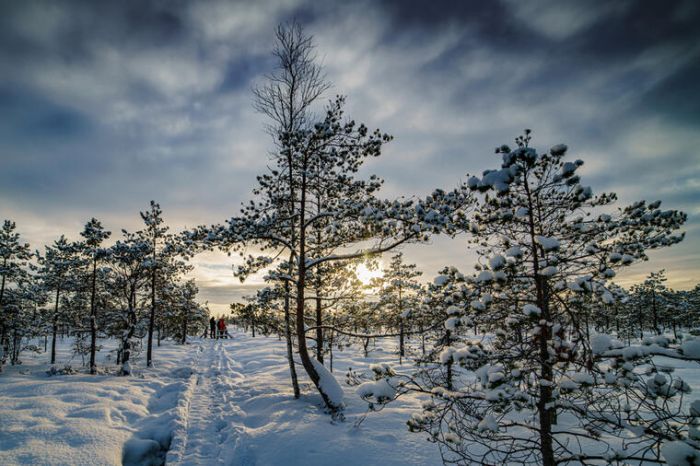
{"type": "Point", "coordinates": [531, 310]}
{"type": "Point", "coordinates": [691, 348]}
{"type": "Point", "coordinates": [328, 384]}
{"type": "Point", "coordinates": [143, 452]}
{"type": "Point", "coordinates": [679, 453]}
{"type": "Point", "coordinates": [381, 390]}
{"type": "Point", "coordinates": [601, 343]}
{"type": "Point", "coordinates": [548, 244]}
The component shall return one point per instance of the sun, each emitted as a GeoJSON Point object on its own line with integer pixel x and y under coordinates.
{"type": "Point", "coordinates": [365, 274]}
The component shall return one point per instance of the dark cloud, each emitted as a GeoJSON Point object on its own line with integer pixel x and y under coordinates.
{"type": "Point", "coordinates": [106, 105]}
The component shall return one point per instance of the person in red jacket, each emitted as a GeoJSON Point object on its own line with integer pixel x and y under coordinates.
{"type": "Point", "coordinates": [222, 328]}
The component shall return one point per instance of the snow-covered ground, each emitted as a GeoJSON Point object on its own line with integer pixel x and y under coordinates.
{"type": "Point", "coordinates": [81, 419]}
{"type": "Point", "coordinates": [209, 402]}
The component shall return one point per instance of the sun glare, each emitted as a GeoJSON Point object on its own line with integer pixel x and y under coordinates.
{"type": "Point", "coordinates": [365, 275]}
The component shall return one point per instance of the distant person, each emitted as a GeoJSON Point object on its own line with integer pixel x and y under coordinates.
{"type": "Point", "coordinates": [223, 333]}
{"type": "Point", "coordinates": [212, 327]}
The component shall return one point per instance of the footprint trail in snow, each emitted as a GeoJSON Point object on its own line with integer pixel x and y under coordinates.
{"type": "Point", "coordinates": [213, 434]}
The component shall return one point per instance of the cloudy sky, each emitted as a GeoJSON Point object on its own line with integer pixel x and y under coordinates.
{"type": "Point", "coordinates": [107, 105]}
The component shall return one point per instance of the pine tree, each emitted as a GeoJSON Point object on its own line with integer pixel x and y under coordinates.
{"type": "Point", "coordinates": [155, 234]}
{"type": "Point", "coordinates": [130, 258]}
{"type": "Point", "coordinates": [287, 99]}
{"type": "Point", "coordinates": [397, 295]}
{"type": "Point", "coordinates": [94, 235]}
{"type": "Point", "coordinates": [14, 257]}
{"type": "Point", "coordinates": [59, 268]}
{"type": "Point", "coordinates": [543, 255]}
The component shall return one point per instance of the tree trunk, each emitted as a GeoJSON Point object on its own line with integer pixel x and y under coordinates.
{"type": "Point", "coordinates": [288, 339]}
{"type": "Point", "coordinates": [152, 317]}
{"type": "Point", "coordinates": [301, 284]}
{"type": "Point", "coordinates": [184, 329]}
{"type": "Point", "coordinates": [3, 333]}
{"type": "Point", "coordinates": [545, 411]}
{"type": "Point", "coordinates": [16, 344]}
{"type": "Point", "coordinates": [55, 326]}
{"type": "Point", "coordinates": [53, 339]}
{"type": "Point", "coordinates": [330, 347]}
{"type": "Point", "coordinates": [93, 318]}
{"type": "Point", "coordinates": [319, 330]}
{"type": "Point", "coordinates": [546, 374]}
{"type": "Point", "coordinates": [401, 341]}
{"type": "Point", "coordinates": [654, 313]}
{"type": "Point", "coordinates": [131, 327]}
{"type": "Point", "coordinates": [401, 328]}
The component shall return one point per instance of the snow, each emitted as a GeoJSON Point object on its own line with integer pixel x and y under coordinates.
{"type": "Point", "coordinates": [548, 244]}
{"type": "Point", "coordinates": [441, 280]}
{"type": "Point", "coordinates": [568, 169]}
{"type": "Point", "coordinates": [452, 323]}
{"type": "Point", "coordinates": [679, 453]}
{"type": "Point", "coordinates": [228, 403]}
{"type": "Point", "coordinates": [497, 262]}
{"type": "Point", "coordinates": [477, 305]}
{"type": "Point", "coordinates": [695, 408]}
{"type": "Point", "coordinates": [531, 310]}
{"type": "Point", "coordinates": [583, 378]}
{"type": "Point", "coordinates": [488, 423]}
{"type": "Point", "coordinates": [86, 420]}
{"type": "Point", "coordinates": [514, 252]}
{"type": "Point", "coordinates": [381, 390]}
{"type": "Point", "coordinates": [568, 384]}
{"type": "Point", "coordinates": [600, 343]}
{"type": "Point", "coordinates": [446, 355]}
{"type": "Point", "coordinates": [607, 297]}
{"type": "Point", "coordinates": [328, 384]}
{"type": "Point", "coordinates": [498, 179]}
{"type": "Point", "coordinates": [615, 257]}
{"type": "Point", "coordinates": [691, 348]}
{"type": "Point", "coordinates": [559, 149]}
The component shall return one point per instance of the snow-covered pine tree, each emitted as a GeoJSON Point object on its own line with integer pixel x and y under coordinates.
{"type": "Point", "coordinates": [182, 314]}
{"type": "Point", "coordinates": [287, 97]}
{"type": "Point", "coordinates": [14, 257]}
{"type": "Point", "coordinates": [172, 268]}
{"type": "Point", "coordinates": [335, 149]}
{"type": "Point", "coordinates": [155, 234]}
{"type": "Point", "coordinates": [59, 268]}
{"type": "Point", "coordinates": [23, 312]}
{"type": "Point", "coordinates": [334, 288]}
{"type": "Point", "coordinates": [94, 235]}
{"type": "Point", "coordinates": [260, 312]}
{"type": "Point", "coordinates": [652, 291]}
{"type": "Point", "coordinates": [545, 247]}
{"type": "Point", "coordinates": [323, 157]}
{"type": "Point", "coordinates": [130, 259]}
{"type": "Point", "coordinates": [397, 294]}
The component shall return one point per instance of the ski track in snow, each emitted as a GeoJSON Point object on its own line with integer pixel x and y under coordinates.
{"type": "Point", "coordinates": [212, 435]}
